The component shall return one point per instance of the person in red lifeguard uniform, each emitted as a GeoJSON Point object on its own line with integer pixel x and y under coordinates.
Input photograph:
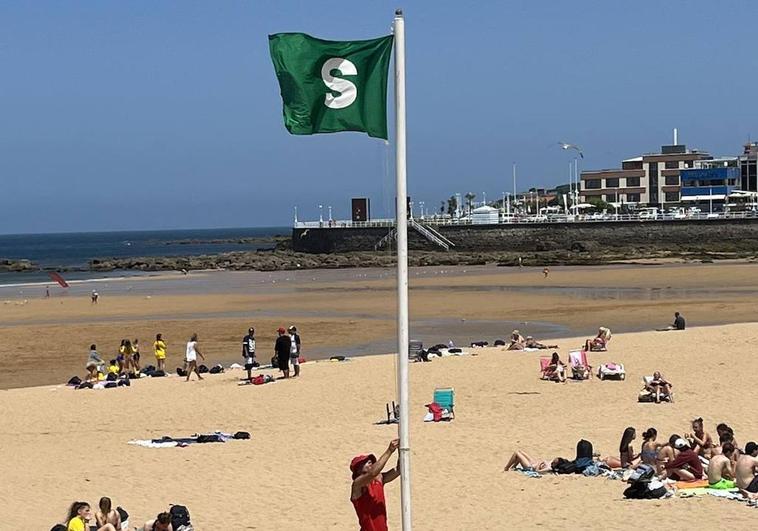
{"type": "Point", "coordinates": [367, 492]}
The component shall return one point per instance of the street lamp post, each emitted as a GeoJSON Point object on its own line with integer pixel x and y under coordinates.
{"type": "Point", "coordinates": [321, 214]}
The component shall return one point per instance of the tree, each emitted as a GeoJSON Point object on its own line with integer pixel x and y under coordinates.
{"type": "Point", "coordinates": [598, 203]}
{"type": "Point", "coordinates": [470, 200]}
{"type": "Point", "coordinates": [452, 205]}
{"type": "Point", "coordinates": [442, 207]}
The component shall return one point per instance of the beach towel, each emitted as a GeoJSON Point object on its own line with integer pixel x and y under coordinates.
{"type": "Point", "coordinates": [611, 371]}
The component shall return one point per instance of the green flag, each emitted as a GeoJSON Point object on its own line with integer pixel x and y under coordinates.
{"type": "Point", "coordinates": [330, 86]}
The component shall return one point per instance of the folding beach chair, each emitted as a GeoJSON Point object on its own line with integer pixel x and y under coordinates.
{"type": "Point", "coordinates": [545, 372]}
{"type": "Point", "coordinates": [580, 369]}
{"type": "Point", "coordinates": [415, 350]}
{"type": "Point", "coordinates": [445, 397]}
{"type": "Point", "coordinates": [646, 395]}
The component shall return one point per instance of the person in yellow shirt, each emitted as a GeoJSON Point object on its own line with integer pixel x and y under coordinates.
{"type": "Point", "coordinates": [160, 352]}
{"type": "Point", "coordinates": [113, 368]}
{"type": "Point", "coordinates": [79, 516]}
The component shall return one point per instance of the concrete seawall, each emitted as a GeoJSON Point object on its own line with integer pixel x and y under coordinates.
{"type": "Point", "coordinates": [690, 235]}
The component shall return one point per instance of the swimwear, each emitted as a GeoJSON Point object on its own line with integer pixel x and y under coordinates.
{"type": "Point", "coordinates": [753, 487]}
{"type": "Point", "coordinates": [724, 484]}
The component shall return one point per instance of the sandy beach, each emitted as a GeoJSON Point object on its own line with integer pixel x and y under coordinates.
{"type": "Point", "coordinates": [293, 473]}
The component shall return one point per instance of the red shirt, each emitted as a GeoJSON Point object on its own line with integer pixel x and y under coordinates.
{"type": "Point", "coordinates": [687, 459]}
{"type": "Point", "coordinates": [370, 507]}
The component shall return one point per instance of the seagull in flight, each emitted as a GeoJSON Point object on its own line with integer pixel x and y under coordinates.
{"type": "Point", "coordinates": [566, 146]}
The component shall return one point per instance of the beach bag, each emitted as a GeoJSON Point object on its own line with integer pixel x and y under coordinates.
{"type": "Point", "coordinates": [337, 358]}
{"type": "Point", "coordinates": [564, 466]}
{"type": "Point", "coordinates": [84, 385]}
{"type": "Point", "coordinates": [583, 449]}
{"type": "Point", "coordinates": [75, 381]}
{"type": "Point", "coordinates": [641, 491]}
{"type": "Point", "coordinates": [111, 385]}
{"type": "Point", "coordinates": [181, 372]}
{"type": "Point", "coordinates": [216, 369]}
{"type": "Point", "coordinates": [241, 435]}
{"type": "Point", "coordinates": [157, 374]}
{"type": "Point", "coordinates": [112, 377]}
{"type": "Point", "coordinates": [202, 369]}
{"type": "Point", "coordinates": [124, 381]}
{"type": "Point", "coordinates": [259, 380]}
{"type": "Point", "coordinates": [499, 343]}
{"type": "Point", "coordinates": [179, 516]}
{"type": "Point", "coordinates": [275, 362]}
{"type": "Point", "coordinates": [124, 517]}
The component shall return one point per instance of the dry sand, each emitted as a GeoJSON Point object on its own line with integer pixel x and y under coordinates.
{"type": "Point", "coordinates": [62, 444]}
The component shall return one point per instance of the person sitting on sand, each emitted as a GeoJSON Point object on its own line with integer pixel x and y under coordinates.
{"type": "Point", "coordinates": [530, 342]}
{"type": "Point", "coordinates": [746, 471]}
{"type": "Point", "coordinates": [162, 522]}
{"type": "Point", "coordinates": [193, 351]}
{"type": "Point", "coordinates": [701, 442]}
{"type": "Point", "coordinates": [94, 364]}
{"type": "Point", "coordinates": [367, 490]}
{"type": "Point", "coordinates": [517, 341]}
{"type": "Point", "coordinates": [678, 323]}
{"type": "Point", "coordinates": [107, 515]}
{"type": "Point", "coordinates": [527, 463]}
{"type": "Point", "coordinates": [726, 434]}
{"type": "Point", "coordinates": [650, 448]}
{"type": "Point", "coordinates": [79, 516]}
{"type": "Point", "coordinates": [721, 470]}
{"type": "Point", "coordinates": [626, 458]}
{"type": "Point", "coordinates": [114, 369]}
{"type": "Point", "coordinates": [159, 348]}
{"type": "Point", "coordinates": [686, 466]}
{"type": "Point", "coordinates": [556, 370]}
{"type": "Point", "coordinates": [600, 341]}
{"type": "Point", "coordinates": [659, 386]}
{"type": "Point", "coordinates": [668, 452]}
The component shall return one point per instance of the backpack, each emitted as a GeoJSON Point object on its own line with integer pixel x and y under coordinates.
{"type": "Point", "coordinates": [179, 516]}
{"type": "Point", "coordinates": [157, 374]}
{"type": "Point", "coordinates": [181, 372]}
{"type": "Point", "coordinates": [202, 369]}
{"type": "Point", "coordinates": [216, 369]}
{"type": "Point", "coordinates": [241, 435]}
{"type": "Point", "coordinates": [564, 466]}
{"type": "Point", "coordinates": [75, 380]}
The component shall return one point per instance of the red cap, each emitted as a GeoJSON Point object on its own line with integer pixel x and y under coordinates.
{"type": "Point", "coordinates": [358, 461]}
{"type": "Point", "coordinates": [281, 330]}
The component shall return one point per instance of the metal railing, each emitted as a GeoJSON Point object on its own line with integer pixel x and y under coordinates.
{"type": "Point", "coordinates": [430, 222]}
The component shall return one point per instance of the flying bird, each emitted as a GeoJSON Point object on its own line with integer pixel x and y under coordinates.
{"type": "Point", "coordinates": [566, 146]}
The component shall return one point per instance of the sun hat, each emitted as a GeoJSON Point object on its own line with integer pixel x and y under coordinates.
{"type": "Point", "coordinates": [292, 328]}
{"type": "Point", "coordinates": [680, 444]}
{"type": "Point", "coordinates": [358, 461]}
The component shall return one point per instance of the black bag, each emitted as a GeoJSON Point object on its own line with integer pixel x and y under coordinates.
{"type": "Point", "coordinates": [179, 516]}
{"type": "Point", "coordinates": [122, 513]}
{"type": "Point", "coordinates": [499, 343]}
{"type": "Point", "coordinates": [564, 466]}
{"type": "Point", "coordinates": [157, 374]}
{"type": "Point", "coordinates": [337, 358]}
{"type": "Point", "coordinates": [216, 369]}
{"type": "Point", "coordinates": [112, 377]}
{"type": "Point", "coordinates": [242, 435]}
{"type": "Point", "coordinates": [584, 449]}
{"type": "Point", "coordinates": [84, 385]}
{"type": "Point", "coordinates": [275, 362]}
{"type": "Point", "coordinates": [124, 381]}
{"type": "Point", "coordinates": [181, 372]}
{"type": "Point", "coordinates": [202, 369]}
{"type": "Point", "coordinates": [210, 438]}
{"type": "Point", "coordinates": [75, 380]}
{"type": "Point", "coordinates": [111, 385]}
{"type": "Point", "coordinates": [641, 491]}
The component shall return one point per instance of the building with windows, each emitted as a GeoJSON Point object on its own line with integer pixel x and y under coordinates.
{"type": "Point", "coordinates": [710, 182]}
{"type": "Point", "coordinates": [749, 167]}
{"type": "Point", "coordinates": [653, 179]}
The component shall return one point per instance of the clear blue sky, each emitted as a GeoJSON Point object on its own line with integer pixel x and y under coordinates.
{"type": "Point", "coordinates": [149, 115]}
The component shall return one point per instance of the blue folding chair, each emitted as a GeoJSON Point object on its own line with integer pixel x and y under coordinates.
{"type": "Point", "coordinates": [445, 397]}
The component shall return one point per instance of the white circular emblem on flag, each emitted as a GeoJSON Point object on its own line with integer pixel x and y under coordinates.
{"type": "Point", "coordinates": [347, 91]}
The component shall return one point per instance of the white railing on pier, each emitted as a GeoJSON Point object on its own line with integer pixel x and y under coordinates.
{"type": "Point", "coordinates": [535, 220]}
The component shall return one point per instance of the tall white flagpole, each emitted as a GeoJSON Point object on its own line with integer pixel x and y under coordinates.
{"type": "Point", "coordinates": [402, 271]}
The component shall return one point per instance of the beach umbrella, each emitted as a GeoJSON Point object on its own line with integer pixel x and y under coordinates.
{"type": "Point", "coordinates": [59, 279]}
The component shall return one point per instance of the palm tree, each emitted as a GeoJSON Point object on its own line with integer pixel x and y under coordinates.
{"type": "Point", "coordinates": [470, 200]}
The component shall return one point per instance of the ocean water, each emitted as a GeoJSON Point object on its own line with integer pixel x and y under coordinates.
{"type": "Point", "coordinates": [72, 251]}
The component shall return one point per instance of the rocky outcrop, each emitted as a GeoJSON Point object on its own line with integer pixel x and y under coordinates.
{"type": "Point", "coordinates": [17, 266]}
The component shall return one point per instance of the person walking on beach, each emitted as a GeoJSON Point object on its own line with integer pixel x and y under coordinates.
{"type": "Point", "coordinates": [193, 351]}
{"type": "Point", "coordinates": [546, 271]}
{"type": "Point", "coordinates": [248, 352]}
{"type": "Point", "coordinates": [367, 490]}
{"type": "Point", "coordinates": [160, 352]}
{"type": "Point", "coordinates": [282, 351]}
{"type": "Point", "coordinates": [295, 349]}
{"type": "Point", "coordinates": [95, 295]}
{"type": "Point", "coordinates": [47, 292]}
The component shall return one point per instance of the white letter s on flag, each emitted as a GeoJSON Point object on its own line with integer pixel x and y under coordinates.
{"type": "Point", "coordinates": [348, 91]}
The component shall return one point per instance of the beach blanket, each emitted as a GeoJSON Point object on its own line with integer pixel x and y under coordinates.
{"type": "Point", "coordinates": [171, 442]}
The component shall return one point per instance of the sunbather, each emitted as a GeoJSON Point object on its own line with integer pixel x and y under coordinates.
{"type": "Point", "coordinates": [626, 457]}
{"type": "Point", "coordinates": [527, 463]}
{"type": "Point", "coordinates": [686, 466]}
{"type": "Point", "coordinates": [162, 522]}
{"type": "Point", "coordinates": [530, 342]}
{"type": "Point", "coordinates": [556, 370]}
{"type": "Point", "coordinates": [668, 452]}
{"type": "Point", "coordinates": [701, 442]}
{"type": "Point", "coordinates": [650, 448]}
{"type": "Point", "coordinates": [721, 469]}
{"type": "Point", "coordinates": [79, 516]}
{"type": "Point", "coordinates": [746, 471]}
{"type": "Point", "coordinates": [600, 341]}
{"type": "Point", "coordinates": [659, 387]}
{"type": "Point", "coordinates": [107, 515]}
{"type": "Point", "coordinates": [517, 341]}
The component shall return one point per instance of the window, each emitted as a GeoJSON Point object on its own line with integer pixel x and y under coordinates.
{"type": "Point", "coordinates": [672, 180]}
{"type": "Point", "coordinates": [632, 165]}
{"type": "Point", "coordinates": [652, 168]}
{"type": "Point", "coordinates": [610, 198]}
{"type": "Point", "coordinates": [632, 181]}
{"type": "Point", "coordinates": [612, 183]}
{"type": "Point", "coordinates": [632, 198]}
{"type": "Point", "coordinates": [592, 184]}
{"type": "Point", "coordinates": [672, 197]}
{"type": "Point", "coordinates": [689, 164]}
{"type": "Point", "coordinates": [672, 164]}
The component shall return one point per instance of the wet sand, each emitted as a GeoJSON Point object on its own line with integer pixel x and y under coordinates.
{"type": "Point", "coordinates": [352, 312]}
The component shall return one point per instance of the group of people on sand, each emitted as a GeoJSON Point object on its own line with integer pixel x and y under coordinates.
{"type": "Point", "coordinates": [518, 342]}
{"type": "Point", "coordinates": [106, 518]}
{"type": "Point", "coordinates": [690, 457]}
